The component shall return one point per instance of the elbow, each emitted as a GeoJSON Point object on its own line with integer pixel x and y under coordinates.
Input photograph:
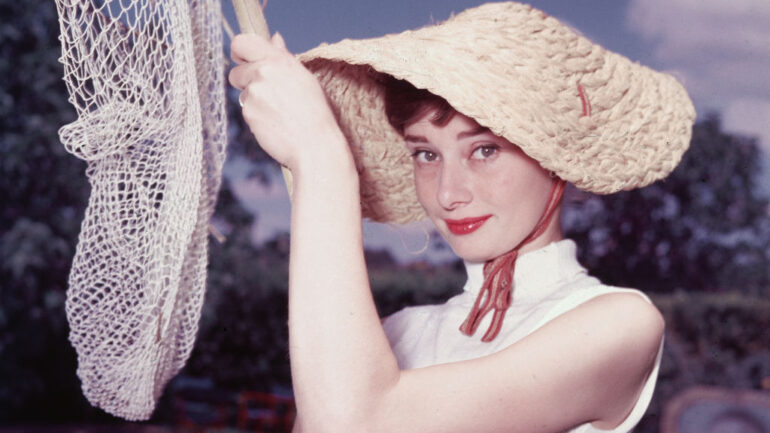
{"type": "Point", "coordinates": [350, 413]}
{"type": "Point", "coordinates": [335, 423]}
{"type": "Point", "coordinates": [360, 406]}
{"type": "Point", "coordinates": [339, 415]}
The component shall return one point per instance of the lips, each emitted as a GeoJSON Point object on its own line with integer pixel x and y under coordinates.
{"type": "Point", "coordinates": [466, 225]}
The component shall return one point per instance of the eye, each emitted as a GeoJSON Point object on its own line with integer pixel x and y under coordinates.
{"type": "Point", "coordinates": [424, 156]}
{"type": "Point", "coordinates": [485, 151]}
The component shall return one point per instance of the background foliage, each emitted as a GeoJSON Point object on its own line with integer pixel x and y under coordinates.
{"type": "Point", "coordinates": [43, 192]}
{"type": "Point", "coordinates": [699, 240]}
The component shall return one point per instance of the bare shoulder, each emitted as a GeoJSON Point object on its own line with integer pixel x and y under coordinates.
{"type": "Point", "coordinates": [614, 319]}
{"type": "Point", "coordinates": [616, 327]}
{"type": "Point", "coordinates": [624, 331]}
{"type": "Point", "coordinates": [625, 315]}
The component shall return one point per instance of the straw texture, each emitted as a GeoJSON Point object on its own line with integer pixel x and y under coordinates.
{"type": "Point", "coordinates": [525, 76]}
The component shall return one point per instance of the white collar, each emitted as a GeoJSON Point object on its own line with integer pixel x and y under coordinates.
{"type": "Point", "coordinates": [537, 272]}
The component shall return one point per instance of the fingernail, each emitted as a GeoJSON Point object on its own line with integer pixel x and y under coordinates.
{"type": "Point", "coordinates": [279, 38]}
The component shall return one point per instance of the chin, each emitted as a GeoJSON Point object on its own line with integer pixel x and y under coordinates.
{"type": "Point", "coordinates": [473, 255]}
{"type": "Point", "coordinates": [478, 247]}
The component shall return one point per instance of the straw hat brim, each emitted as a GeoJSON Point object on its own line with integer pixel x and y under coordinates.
{"type": "Point", "coordinates": [520, 73]}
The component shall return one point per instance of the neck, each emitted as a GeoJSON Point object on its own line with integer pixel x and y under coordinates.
{"type": "Point", "coordinates": [552, 233]}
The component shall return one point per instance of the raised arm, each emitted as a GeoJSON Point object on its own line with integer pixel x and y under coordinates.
{"type": "Point", "coordinates": [339, 353]}
{"type": "Point", "coordinates": [578, 368]}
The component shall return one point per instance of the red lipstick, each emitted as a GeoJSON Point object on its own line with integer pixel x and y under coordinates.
{"type": "Point", "coordinates": [466, 225]}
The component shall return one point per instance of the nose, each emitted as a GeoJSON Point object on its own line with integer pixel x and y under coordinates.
{"type": "Point", "coordinates": [453, 187]}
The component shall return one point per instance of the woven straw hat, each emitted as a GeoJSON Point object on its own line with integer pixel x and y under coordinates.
{"type": "Point", "coordinates": [591, 116]}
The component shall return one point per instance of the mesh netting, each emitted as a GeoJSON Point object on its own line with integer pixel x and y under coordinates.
{"type": "Point", "coordinates": [146, 78]}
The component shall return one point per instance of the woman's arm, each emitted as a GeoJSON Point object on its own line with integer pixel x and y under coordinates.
{"type": "Point", "coordinates": [580, 367]}
{"type": "Point", "coordinates": [340, 358]}
{"type": "Point", "coordinates": [339, 352]}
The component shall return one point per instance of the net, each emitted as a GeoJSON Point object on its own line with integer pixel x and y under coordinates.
{"type": "Point", "coordinates": [146, 79]}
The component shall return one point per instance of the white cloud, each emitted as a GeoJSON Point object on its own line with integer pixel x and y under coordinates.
{"type": "Point", "coordinates": [738, 24]}
{"type": "Point", "coordinates": [749, 116]}
{"type": "Point", "coordinates": [722, 47]}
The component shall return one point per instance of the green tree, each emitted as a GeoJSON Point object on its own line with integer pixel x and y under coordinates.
{"type": "Point", "coordinates": [43, 192]}
{"type": "Point", "coordinates": [243, 337]}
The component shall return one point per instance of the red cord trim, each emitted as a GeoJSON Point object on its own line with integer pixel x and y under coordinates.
{"type": "Point", "coordinates": [584, 100]}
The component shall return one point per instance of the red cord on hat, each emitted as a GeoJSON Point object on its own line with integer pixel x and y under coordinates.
{"type": "Point", "coordinates": [584, 100]}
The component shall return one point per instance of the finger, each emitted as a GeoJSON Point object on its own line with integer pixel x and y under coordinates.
{"type": "Point", "coordinates": [240, 76]}
{"type": "Point", "coordinates": [234, 77]}
{"type": "Point", "coordinates": [237, 45]}
{"type": "Point", "coordinates": [279, 42]}
{"type": "Point", "coordinates": [249, 47]}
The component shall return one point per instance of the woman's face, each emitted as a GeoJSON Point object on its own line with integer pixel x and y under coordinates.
{"type": "Point", "coordinates": [481, 191]}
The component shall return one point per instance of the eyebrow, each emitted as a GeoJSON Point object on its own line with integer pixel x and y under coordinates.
{"type": "Point", "coordinates": [463, 134]}
{"type": "Point", "coordinates": [471, 132]}
{"type": "Point", "coordinates": [415, 139]}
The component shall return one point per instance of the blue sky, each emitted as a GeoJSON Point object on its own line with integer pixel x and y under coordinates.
{"type": "Point", "coordinates": [719, 49]}
{"type": "Point", "coordinates": [305, 24]}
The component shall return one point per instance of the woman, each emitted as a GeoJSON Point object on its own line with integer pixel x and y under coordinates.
{"type": "Point", "coordinates": [559, 351]}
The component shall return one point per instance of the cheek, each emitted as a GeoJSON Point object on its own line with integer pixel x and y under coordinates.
{"type": "Point", "coordinates": [520, 193]}
{"type": "Point", "coordinates": [425, 185]}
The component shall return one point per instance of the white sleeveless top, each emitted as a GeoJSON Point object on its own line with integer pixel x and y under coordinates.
{"type": "Point", "coordinates": [547, 283]}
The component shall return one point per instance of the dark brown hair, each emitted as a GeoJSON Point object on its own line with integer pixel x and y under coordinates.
{"type": "Point", "coordinates": [405, 104]}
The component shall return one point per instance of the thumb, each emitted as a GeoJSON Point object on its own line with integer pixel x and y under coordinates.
{"type": "Point", "coordinates": [278, 41]}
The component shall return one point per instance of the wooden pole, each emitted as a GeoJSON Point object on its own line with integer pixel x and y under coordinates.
{"type": "Point", "coordinates": [252, 20]}
{"type": "Point", "coordinates": [250, 17]}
